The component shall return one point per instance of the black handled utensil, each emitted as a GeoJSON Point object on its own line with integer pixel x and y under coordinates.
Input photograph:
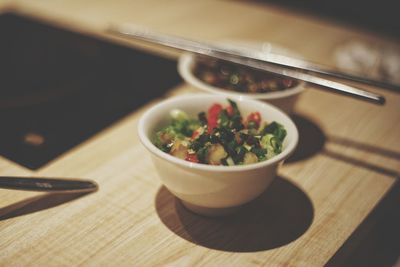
{"type": "Point", "coordinates": [48, 184]}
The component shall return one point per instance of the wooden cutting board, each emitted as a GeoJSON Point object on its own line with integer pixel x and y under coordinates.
{"type": "Point", "coordinates": [314, 212]}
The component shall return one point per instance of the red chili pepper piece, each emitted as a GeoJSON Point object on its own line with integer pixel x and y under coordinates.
{"type": "Point", "coordinates": [192, 158]}
{"type": "Point", "coordinates": [287, 83]}
{"type": "Point", "coordinates": [254, 117]}
{"type": "Point", "coordinates": [213, 113]}
{"type": "Point", "coordinates": [195, 134]}
{"type": "Point", "coordinates": [230, 110]}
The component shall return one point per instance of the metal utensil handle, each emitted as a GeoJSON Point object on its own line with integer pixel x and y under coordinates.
{"type": "Point", "coordinates": [333, 86]}
{"type": "Point", "coordinates": [300, 64]}
{"type": "Point", "coordinates": [241, 57]}
{"type": "Point", "coordinates": [47, 184]}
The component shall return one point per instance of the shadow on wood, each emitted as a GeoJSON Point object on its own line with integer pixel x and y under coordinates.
{"type": "Point", "coordinates": [311, 139]}
{"type": "Point", "coordinates": [37, 203]}
{"type": "Point", "coordinates": [375, 242]}
{"type": "Point", "coordinates": [279, 216]}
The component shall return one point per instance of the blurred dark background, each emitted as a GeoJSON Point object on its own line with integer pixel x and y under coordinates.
{"type": "Point", "coordinates": [64, 87]}
{"type": "Point", "coordinates": [377, 16]}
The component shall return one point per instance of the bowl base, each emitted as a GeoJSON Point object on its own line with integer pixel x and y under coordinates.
{"type": "Point", "coordinates": [210, 212]}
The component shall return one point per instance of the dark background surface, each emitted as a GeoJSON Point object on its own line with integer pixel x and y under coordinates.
{"type": "Point", "coordinates": [378, 17]}
{"type": "Point", "coordinates": [59, 88]}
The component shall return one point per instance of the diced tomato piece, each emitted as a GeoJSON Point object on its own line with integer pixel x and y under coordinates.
{"type": "Point", "coordinates": [214, 110]}
{"type": "Point", "coordinates": [287, 83]}
{"type": "Point", "coordinates": [229, 110]}
{"type": "Point", "coordinates": [212, 123]}
{"type": "Point", "coordinates": [195, 134]}
{"type": "Point", "coordinates": [254, 117]}
{"type": "Point", "coordinates": [213, 113]}
{"type": "Point", "coordinates": [192, 158]}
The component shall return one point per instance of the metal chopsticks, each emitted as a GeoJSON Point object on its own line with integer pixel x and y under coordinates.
{"type": "Point", "coordinates": [281, 65]}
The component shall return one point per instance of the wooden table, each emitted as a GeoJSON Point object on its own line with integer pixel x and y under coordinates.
{"type": "Point", "coordinates": [313, 214]}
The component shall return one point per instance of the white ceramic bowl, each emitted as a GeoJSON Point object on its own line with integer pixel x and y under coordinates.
{"type": "Point", "coordinates": [284, 99]}
{"type": "Point", "coordinates": [206, 189]}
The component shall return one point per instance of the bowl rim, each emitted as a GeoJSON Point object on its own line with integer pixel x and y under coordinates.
{"type": "Point", "coordinates": [159, 107]}
{"type": "Point", "coordinates": [186, 63]}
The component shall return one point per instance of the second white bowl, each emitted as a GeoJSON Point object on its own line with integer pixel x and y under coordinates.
{"type": "Point", "coordinates": [284, 99]}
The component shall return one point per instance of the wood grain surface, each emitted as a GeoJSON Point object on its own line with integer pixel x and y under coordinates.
{"type": "Point", "coordinates": [347, 160]}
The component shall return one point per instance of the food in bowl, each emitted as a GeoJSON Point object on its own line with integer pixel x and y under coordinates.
{"type": "Point", "coordinates": [220, 136]}
{"type": "Point", "coordinates": [213, 190]}
{"type": "Point", "coordinates": [238, 78]}
{"type": "Point", "coordinates": [281, 92]}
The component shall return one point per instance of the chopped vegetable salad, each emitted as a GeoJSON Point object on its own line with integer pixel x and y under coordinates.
{"type": "Point", "coordinates": [234, 77]}
{"type": "Point", "coordinates": [221, 136]}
